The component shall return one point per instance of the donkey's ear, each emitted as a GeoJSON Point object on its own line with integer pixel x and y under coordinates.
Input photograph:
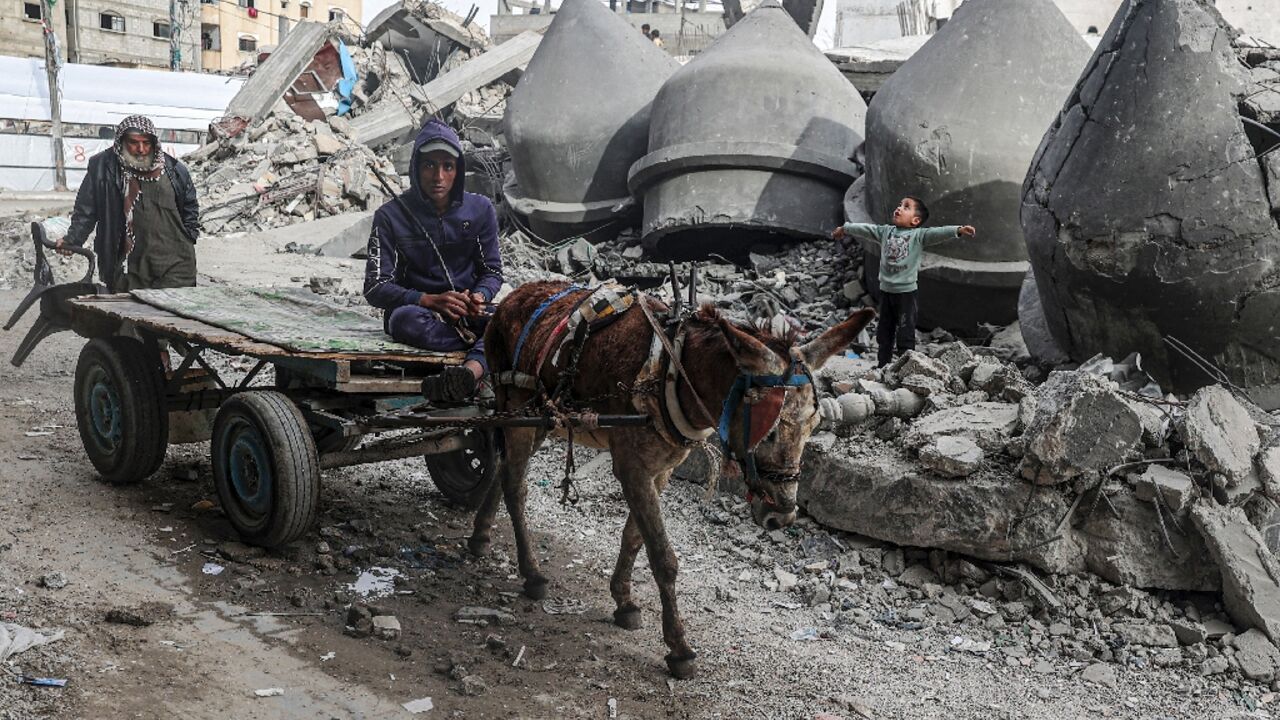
{"type": "Point", "coordinates": [750, 354]}
{"type": "Point", "coordinates": [816, 352]}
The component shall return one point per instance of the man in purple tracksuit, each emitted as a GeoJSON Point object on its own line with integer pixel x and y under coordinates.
{"type": "Point", "coordinates": [434, 262]}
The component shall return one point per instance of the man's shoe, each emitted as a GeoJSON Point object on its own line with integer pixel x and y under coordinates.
{"type": "Point", "coordinates": [452, 385]}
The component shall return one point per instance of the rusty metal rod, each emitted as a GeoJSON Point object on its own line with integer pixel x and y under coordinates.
{"type": "Point", "coordinates": [430, 445]}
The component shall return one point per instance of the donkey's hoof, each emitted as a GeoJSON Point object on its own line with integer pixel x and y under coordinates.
{"type": "Point", "coordinates": [683, 668]}
{"type": "Point", "coordinates": [535, 588]}
{"type": "Point", "coordinates": [627, 618]}
{"type": "Point", "coordinates": [479, 547]}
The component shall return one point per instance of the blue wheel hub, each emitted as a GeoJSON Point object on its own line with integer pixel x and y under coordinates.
{"type": "Point", "coordinates": [104, 412]}
{"type": "Point", "coordinates": [249, 468]}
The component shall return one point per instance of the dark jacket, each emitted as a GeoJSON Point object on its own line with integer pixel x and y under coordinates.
{"type": "Point", "coordinates": [402, 265]}
{"type": "Point", "coordinates": [99, 204]}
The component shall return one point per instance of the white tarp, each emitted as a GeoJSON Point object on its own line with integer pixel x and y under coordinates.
{"type": "Point", "coordinates": [99, 95]}
{"type": "Point", "coordinates": [26, 161]}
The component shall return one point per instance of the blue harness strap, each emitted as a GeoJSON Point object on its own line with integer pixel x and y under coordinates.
{"type": "Point", "coordinates": [737, 393]}
{"type": "Point", "coordinates": [533, 319]}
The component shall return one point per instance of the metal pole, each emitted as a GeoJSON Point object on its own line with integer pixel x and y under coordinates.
{"type": "Point", "coordinates": [173, 34]}
{"type": "Point", "coordinates": [51, 63]}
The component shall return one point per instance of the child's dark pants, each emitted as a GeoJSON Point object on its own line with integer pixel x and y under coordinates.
{"type": "Point", "coordinates": [897, 322]}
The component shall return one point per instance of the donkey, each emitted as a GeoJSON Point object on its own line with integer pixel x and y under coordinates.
{"type": "Point", "coordinates": [759, 384]}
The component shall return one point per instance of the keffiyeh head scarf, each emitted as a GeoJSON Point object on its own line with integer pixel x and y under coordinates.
{"type": "Point", "coordinates": [133, 173]}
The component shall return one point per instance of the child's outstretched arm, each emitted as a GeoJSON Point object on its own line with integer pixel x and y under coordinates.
{"type": "Point", "coordinates": [934, 235]}
{"type": "Point", "coordinates": [860, 231]}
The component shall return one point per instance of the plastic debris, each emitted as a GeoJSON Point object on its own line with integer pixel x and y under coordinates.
{"type": "Point", "coordinates": [42, 682]}
{"type": "Point", "coordinates": [16, 638]}
{"type": "Point", "coordinates": [212, 569]}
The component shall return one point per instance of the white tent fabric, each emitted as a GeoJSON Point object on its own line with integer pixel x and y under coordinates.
{"type": "Point", "coordinates": [99, 95]}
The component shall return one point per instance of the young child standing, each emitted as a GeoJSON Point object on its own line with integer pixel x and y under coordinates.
{"type": "Point", "coordinates": [901, 248]}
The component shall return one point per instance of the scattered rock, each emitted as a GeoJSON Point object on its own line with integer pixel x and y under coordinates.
{"type": "Point", "coordinates": [473, 685]}
{"type": "Point", "coordinates": [1188, 632]}
{"type": "Point", "coordinates": [1219, 430]}
{"type": "Point", "coordinates": [1100, 674]}
{"type": "Point", "coordinates": [952, 456]}
{"type": "Point", "coordinates": [475, 615]}
{"type": "Point", "coordinates": [1176, 490]}
{"type": "Point", "coordinates": [1249, 570]}
{"type": "Point", "coordinates": [143, 615]}
{"type": "Point", "coordinates": [1148, 634]}
{"type": "Point", "coordinates": [1081, 424]}
{"type": "Point", "coordinates": [987, 424]}
{"type": "Point", "coordinates": [386, 627]}
{"type": "Point", "coordinates": [53, 581]}
{"type": "Point", "coordinates": [1258, 657]}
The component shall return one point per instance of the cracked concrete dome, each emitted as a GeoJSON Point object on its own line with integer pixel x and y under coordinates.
{"type": "Point", "coordinates": [1146, 210]}
{"type": "Point", "coordinates": [749, 142]}
{"type": "Point", "coordinates": [579, 118]}
{"type": "Point", "coordinates": [957, 125]}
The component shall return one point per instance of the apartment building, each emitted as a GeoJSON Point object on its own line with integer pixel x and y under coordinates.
{"type": "Point", "coordinates": [119, 33]}
{"type": "Point", "coordinates": [233, 32]}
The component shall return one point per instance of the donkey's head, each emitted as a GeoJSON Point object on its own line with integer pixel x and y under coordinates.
{"type": "Point", "coordinates": [772, 408]}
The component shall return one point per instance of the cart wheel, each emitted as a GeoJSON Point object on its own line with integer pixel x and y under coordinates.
{"type": "Point", "coordinates": [265, 467]}
{"type": "Point", "coordinates": [465, 476]}
{"type": "Point", "coordinates": [119, 399]}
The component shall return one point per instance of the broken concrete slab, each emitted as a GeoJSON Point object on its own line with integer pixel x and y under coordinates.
{"type": "Point", "coordinates": [391, 122]}
{"type": "Point", "coordinates": [1081, 425]}
{"type": "Point", "coordinates": [1146, 634]}
{"type": "Point", "coordinates": [992, 518]}
{"type": "Point", "coordinates": [952, 456]}
{"type": "Point", "coordinates": [1250, 572]}
{"type": "Point", "coordinates": [940, 130]}
{"type": "Point", "coordinates": [1267, 462]}
{"type": "Point", "coordinates": [989, 425]}
{"type": "Point", "coordinates": [1136, 243]}
{"type": "Point", "coordinates": [481, 70]}
{"type": "Point", "coordinates": [348, 234]}
{"type": "Point", "coordinates": [1131, 549]}
{"type": "Point", "coordinates": [276, 74]}
{"type": "Point", "coordinates": [748, 142]}
{"type": "Point", "coordinates": [571, 167]}
{"type": "Point", "coordinates": [1221, 433]}
{"type": "Point", "coordinates": [1175, 490]}
{"type": "Point", "coordinates": [1258, 657]}
{"type": "Point", "coordinates": [424, 33]}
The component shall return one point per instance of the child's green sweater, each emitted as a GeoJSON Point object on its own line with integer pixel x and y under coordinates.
{"type": "Point", "coordinates": [900, 251]}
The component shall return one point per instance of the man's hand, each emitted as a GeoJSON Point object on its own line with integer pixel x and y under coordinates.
{"type": "Point", "coordinates": [452, 304]}
{"type": "Point", "coordinates": [477, 304]}
{"type": "Point", "coordinates": [838, 233]}
{"type": "Point", "coordinates": [62, 249]}
{"type": "Point", "coordinates": [967, 231]}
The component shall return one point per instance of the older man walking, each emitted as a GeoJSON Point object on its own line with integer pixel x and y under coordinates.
{"type": "Point", "coordinates": [143, 205]}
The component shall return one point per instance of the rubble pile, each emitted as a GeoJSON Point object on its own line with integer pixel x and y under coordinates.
{"type": "Point", "coordinates": [794, 279]}
{"type": "Point", "coordinates": [286, 170]}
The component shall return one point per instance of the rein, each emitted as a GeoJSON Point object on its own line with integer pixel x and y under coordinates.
{"type": "Point", "coordinates": [757, 427]}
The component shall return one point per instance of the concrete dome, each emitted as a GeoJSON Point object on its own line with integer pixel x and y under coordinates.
{"type": "Point", "coordinates": [958, 125]}
{"type": "Point", "coordinates": [749, 142]}
{"type": "Point", "coordinates": [579, 118]}
{"type": "Point", "coordinates": [1146, 210]}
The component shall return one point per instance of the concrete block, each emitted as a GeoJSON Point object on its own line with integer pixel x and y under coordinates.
{"type": "Point", "coordinates": [1249, 570]}
{"type": "Point", "coordinates": [1081, 425]}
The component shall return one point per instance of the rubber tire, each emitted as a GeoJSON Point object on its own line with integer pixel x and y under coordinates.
{"type": "Point", "coordinates": [269, 420]}
{"type": "Point", "coordinates": [135, 379]}
{"type": "Point", "coordinates": [465, 476]}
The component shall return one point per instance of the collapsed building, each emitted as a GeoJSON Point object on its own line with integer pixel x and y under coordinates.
{"type": "Point", "coordinates": [1150, 211]}
{"type": "Point", "coordinates": [958, 125]}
